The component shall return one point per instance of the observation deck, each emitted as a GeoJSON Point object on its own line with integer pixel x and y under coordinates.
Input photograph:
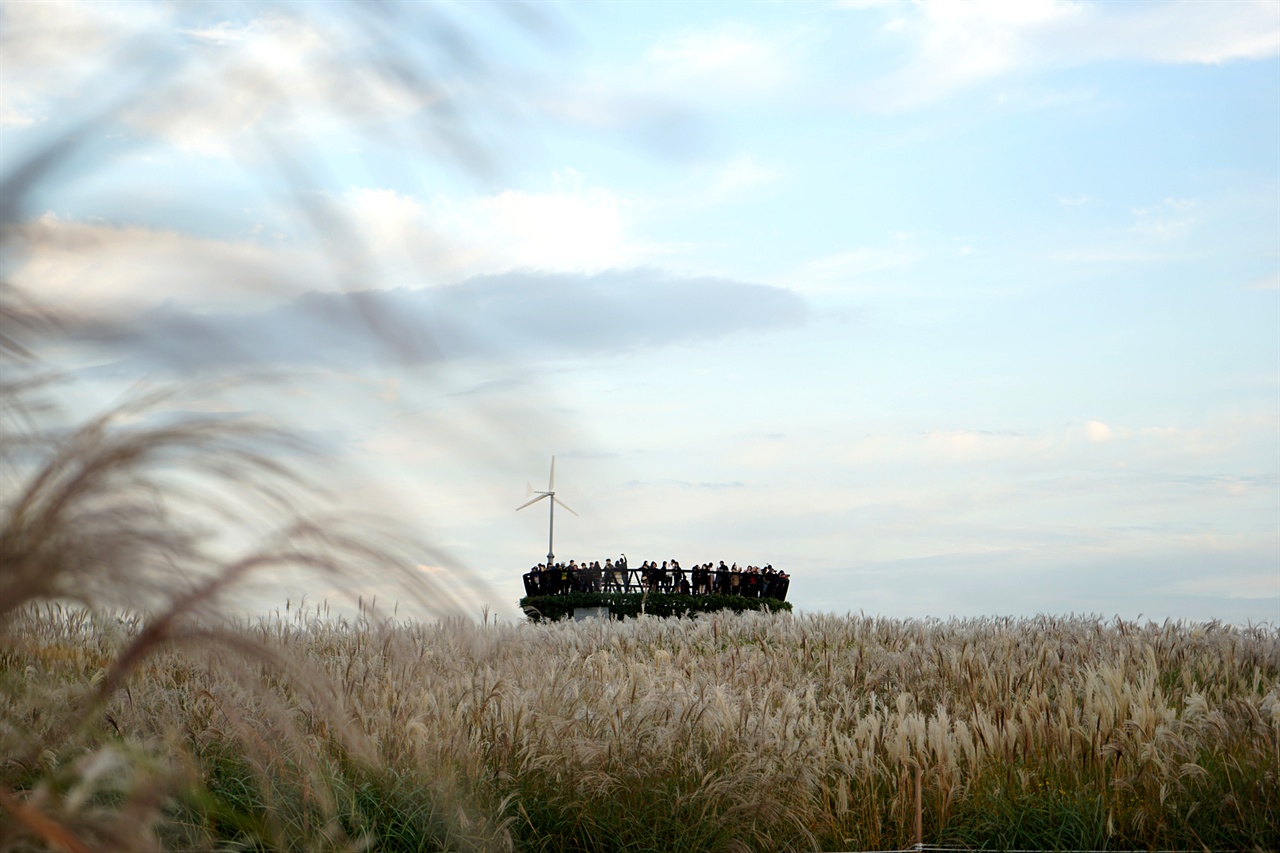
{"type": "Point", "coordinates": [622, 591]}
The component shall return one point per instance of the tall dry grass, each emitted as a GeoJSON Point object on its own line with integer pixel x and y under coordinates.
{"type": "Point", "coordinates": [772, 732]}
{"type": "Point", "coordinates": [728, 732]}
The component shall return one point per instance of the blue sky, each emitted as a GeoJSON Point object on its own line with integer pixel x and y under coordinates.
{"type": "Point", "coordinates": [949, 309]}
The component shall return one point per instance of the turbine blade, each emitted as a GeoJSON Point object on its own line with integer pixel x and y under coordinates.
{"type": "Point", "coordinates": [534, 501]}
{"type": "Point", "coordinates": [551, 484]}
{"type": "Point", "coordinates": [563, 504]}
{"type": "Point", "coordinates": [528, 488]}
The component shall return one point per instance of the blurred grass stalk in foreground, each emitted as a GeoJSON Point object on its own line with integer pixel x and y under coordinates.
{"type": "Point", "coordinates": [122, 533]}
{"type": "Point", "coordinates": [147, 503]}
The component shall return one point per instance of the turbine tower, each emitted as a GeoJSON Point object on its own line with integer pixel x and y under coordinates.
{"type": "Point", "coordinates": [549, 493]}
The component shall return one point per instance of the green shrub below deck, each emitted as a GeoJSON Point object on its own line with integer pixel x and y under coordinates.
{"type": "Point", "coordinates": [628, 604]}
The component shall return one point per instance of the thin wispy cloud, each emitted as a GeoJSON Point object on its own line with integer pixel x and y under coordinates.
{"type": "Point", "coordinates": [956, 46]}
{"type": "Point", "coordinates": [1171, 219]}
{"type": "Point", "coordinates": [742, 172]}
{"type": "Point", "coordinates": [730, 59]}
{"type": "Point", "coordinates": [846, 270]}
{"type": "Point", "coordinates": [1265, 282]}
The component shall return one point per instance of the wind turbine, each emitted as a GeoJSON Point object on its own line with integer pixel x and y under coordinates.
{"type": "Point", "coordinates": [549, 493]}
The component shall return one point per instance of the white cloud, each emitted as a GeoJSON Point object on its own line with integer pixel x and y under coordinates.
{"type": "Point", "coordinates": [1098, 432]}
{"type": "Point", "coordinates": [202, 87]}
{"type": "Point", "coordinates": [96, 267]}
{"type": "Point", "coordinates": [397, 240]}
{"type": "Point", "coordinates": [572, 227]}
{"type": "Point", "coordinates": [575, 227]}
{"type": "Point", "coordinates": [959, 45]}
{"type": "Point", "coordinates": [1210, 33]}
{"type": "Point", "coordinates": [55, 50]}
{"type": "Point", "coordinates": [242, 76]}
{"type": "Point", "coordinates": [387, 219]}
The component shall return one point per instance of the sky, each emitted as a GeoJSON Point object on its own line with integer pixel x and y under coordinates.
{"type": "Point", "coordinates": [949, 309]}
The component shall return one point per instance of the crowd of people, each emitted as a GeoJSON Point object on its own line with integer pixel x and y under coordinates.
{"type": "Point", "coordinates": [670, 577]}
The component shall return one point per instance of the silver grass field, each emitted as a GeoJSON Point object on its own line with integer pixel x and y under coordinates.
{"type": "Point", "coordinates": [728, 732]}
